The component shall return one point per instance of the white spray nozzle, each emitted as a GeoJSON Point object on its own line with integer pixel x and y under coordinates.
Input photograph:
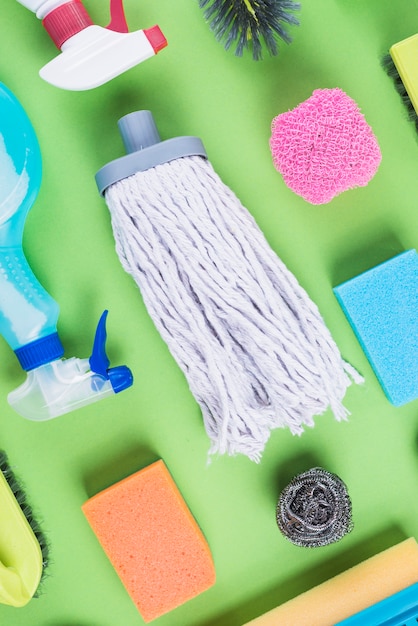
{"type": "Point", "coordinates": [57, 388]}
{"type": "Point", "coordinates": [91, 55]}
{"type": "Point", "coordinates": [63, 385]}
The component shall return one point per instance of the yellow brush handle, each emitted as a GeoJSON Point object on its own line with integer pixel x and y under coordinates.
{"type": "Point", "coordinates": [20, 552]}
{"type": "Point", "coordinates": [404, 55]}
{"type": "Point", "coordinates": [12, 591]}
{"type": "Point", "coordinates": [352, 591]}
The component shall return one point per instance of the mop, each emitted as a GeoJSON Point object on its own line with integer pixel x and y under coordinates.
{"type": "Point", "coordinates": [252, 345]}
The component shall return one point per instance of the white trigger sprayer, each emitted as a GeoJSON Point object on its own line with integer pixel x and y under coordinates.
{"type": "Point", "coordinates": [91, 55]}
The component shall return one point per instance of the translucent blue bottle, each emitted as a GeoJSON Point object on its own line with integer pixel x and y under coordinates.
{"type": "Point", "coordinates": [28, 314]}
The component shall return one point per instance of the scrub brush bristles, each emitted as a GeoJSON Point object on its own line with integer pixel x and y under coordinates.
{"type": "Point", "coordinates": [399, 64]}
{"type": "Point", "coordinates": [251, 22]}
{"type": "Point", "coordinates": [21, 499]}
{"type": "Point", "coordinates": [33, 564]}
{"type": "Point", "coordinates": [390, 68]}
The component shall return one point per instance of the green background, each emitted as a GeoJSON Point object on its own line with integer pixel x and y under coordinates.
{"type": "Point", "coordinates": [195, 87]}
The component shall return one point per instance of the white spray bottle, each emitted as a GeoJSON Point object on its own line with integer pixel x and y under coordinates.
{"type": "Point", "coordinates": [91, 55]}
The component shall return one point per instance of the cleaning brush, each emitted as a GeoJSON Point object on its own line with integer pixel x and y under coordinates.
{"type": "Point", "coordinates": [23, 548]}
{"type": "Point", "coordinates": [401, 65]}
{"type": "Point", "coordinates": [250, 22]}
{"type": "Point", "coordinates": [252, 345]}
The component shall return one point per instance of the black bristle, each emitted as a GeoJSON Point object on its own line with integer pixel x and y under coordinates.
{"type": "Point", "coordinates": [390, 69]}
{"type": "Point", "coordinates": [20, 497]}
{"type": "Point", "coordinates": [250, 23]}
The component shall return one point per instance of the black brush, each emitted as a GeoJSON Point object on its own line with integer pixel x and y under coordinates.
{"type": "Point", "coordinates": [23, 548]}
{"type": "Point", "coordinates": [400, 64]}
{"type": "Point", "coordinates": [250, 23]}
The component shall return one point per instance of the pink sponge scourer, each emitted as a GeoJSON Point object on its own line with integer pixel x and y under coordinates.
{"type": "Point", "coordinates": [324, 146]}
{"type": "Point", "coordinates": [152, 540]}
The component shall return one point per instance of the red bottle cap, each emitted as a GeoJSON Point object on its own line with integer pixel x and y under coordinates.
{"type": "Point", "coordinates": [156, 38]}
{"type": "Point", "coordinates": [65, 21]}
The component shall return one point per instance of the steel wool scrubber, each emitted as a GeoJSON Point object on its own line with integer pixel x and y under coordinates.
{"type": "Point", "coordinates": [314, 509]}
{"type": "Point", "coordinates": [252, 345]}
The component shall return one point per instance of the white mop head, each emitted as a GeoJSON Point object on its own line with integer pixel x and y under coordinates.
{"type": "Point", "coordinates": [253, 346]}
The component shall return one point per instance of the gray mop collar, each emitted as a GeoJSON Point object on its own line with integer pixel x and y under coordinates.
{"type": "Point", "coordinates": [145, 149]}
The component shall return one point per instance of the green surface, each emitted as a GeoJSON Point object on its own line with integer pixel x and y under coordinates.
{"type": "Point", "coordinates": [195, 87]}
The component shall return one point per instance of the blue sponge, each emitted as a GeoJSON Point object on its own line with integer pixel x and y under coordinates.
{"type": "Point", "coordinates": [382, 308]}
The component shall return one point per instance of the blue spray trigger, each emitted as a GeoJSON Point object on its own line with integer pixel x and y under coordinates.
{"type": "Point", "coordinates": [99, 361]}
{"type": "Point", "coordinates": [120, 377]}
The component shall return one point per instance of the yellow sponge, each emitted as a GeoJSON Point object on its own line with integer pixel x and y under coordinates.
{"type": "Point", "coordinates": [352, 591]}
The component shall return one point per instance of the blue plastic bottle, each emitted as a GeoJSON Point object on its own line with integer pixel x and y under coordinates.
{"type": "Point", "coordinates": [28, 314]}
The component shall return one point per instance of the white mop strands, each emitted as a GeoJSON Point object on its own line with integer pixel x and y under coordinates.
{"type": "Point", "coordinates": [253, 346]}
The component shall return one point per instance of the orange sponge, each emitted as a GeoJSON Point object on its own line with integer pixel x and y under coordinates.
{"type": "Point", "coordinates": [152, 540]}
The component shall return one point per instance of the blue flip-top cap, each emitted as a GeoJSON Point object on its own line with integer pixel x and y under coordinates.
{"type": "Point", "coordinates": [120, 378]}
{"type": "Point", "coordinates": [145, 149]}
